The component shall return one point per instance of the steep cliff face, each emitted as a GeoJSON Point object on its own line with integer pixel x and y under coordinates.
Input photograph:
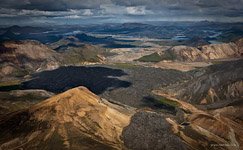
{"type": "Point", "coordinates": [76, 119]}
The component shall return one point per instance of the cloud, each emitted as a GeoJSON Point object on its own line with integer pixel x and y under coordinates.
{"type": "Point", "coordinates": [52, 5]}
{"type": "Point", "coordinates": [124, 9]}
{"type": "Point", "coordinates": [88, 12]}
{"type": "Point", "coordinates": [72, 16]}
{"type": "Point", "coordinates": [111, 9]}
{"type": "Point", "coordinates": [72, 13]}
{"type": "Point", "coordinates": [138, 10]}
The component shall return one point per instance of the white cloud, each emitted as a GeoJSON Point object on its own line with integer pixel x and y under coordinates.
{"type": "Point", "coordinates": [73, 17]}
{"type": "Point", "coordinates": [35, 13]}
{"type": "Point", "coordinates": [87, 12]}
{"type": "Point", "coordinates": [111, 9]}
{"type": "Point", "coordinates": [72, 13]}
{"type": "Point", "coordinates": [138, 10]}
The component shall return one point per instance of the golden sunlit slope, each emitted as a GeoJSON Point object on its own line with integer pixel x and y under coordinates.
{"type": "Point", "coordinates": [75, 119]}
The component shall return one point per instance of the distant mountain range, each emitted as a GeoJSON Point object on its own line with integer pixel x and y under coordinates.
{"type": "Point", "coordinates": [195, 33]}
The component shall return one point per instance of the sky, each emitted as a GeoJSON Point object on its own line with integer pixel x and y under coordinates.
{"type": "Point", "coordinates": [24, 12]}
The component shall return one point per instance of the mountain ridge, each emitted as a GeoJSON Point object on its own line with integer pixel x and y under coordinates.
{"type": "Point", "coordinates": [66, 118]}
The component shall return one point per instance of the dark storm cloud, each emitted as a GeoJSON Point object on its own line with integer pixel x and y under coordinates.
{"type": "Point", "coordinates": [61, 5]}
{"type": "Point", "coordinates": [52, 5]}
{"type": "Point", "coordinates": [125, 9]}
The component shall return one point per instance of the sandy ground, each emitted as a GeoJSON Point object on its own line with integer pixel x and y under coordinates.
{"type": "Point", "coordinates": [131, 54]}
{"type": "Point", "coordinates": [181, 66]}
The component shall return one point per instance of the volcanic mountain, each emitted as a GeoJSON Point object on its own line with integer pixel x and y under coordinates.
{"type": "Point", "coordinates": [28, 54]}
{"type": "Point", "coordinates": [76, 119]}
{"type": "Point", "coordinates": [203, 53]}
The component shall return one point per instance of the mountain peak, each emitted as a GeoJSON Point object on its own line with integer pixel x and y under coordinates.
{"type": "Point", "coordinates": [67, 118]}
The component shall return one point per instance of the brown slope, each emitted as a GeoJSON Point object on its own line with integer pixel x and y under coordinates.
{"type": "Point", "coordinates": [214, 86]}
{"type": "Point", "coordinates": [29, 55]}
{"type": "Point", "coordinates": [76, 119]}
{"type": "Point", "coordinates": [205, 130]}
{"type": "Point", "coordinates": [188, 54]}
{"type": "Point", "coordinates": [239, 44]}
{"type": "Point", "coordinates": [205, 53]}
{"type": "Point", "coordinates": [221, 51]}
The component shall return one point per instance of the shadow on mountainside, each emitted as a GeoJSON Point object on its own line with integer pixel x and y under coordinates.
{"type": "Point", "coordinates": [97, 79]}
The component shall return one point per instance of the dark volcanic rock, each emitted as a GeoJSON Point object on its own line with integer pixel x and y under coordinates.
{"type": "Point", "coordinates": [144, 80]}
{"type": "Point", "coordinates": [150, 131]}
{"type": "Point", "coordinates": [97, 79]}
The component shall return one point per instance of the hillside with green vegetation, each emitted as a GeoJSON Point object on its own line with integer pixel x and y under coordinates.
{"type": "Point", "coordinates": [156, 57]}
{"type": "Point", "coordinates": [87, 53]}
